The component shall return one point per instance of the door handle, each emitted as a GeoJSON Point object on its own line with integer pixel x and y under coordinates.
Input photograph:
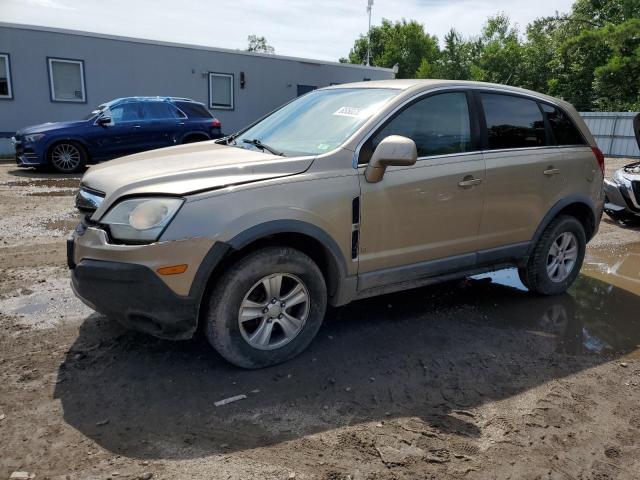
{"type": "Point", "coordinates": [551, 171]}
{"type": "Point", "coordinates": [137, 126]}
{"type": "Point", "coordinates": [469, 181]}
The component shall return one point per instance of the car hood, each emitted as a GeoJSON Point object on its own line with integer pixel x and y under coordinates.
{"type": "Point", "coordinates": [47, 127]}
{"type": "Point", "coordinates": [188, 169]}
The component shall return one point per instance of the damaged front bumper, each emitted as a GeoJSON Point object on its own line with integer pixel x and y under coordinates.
{"type": "Point", "coordinates": [620, 201]}
{"type": "Point", "coordinates": [122, 281]}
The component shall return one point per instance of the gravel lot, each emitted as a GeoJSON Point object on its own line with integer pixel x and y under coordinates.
{"type": "Point", "coordinates": [473, 379]}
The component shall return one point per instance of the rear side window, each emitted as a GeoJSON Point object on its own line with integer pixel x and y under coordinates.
{"type": "Point", "coordinates": [159, 111]}
{"type": "Point", "coordinates": [564, 131]}
{"type": "Point", "coordinates": [513, 122]}
{"type": "Point", "coordinates": [194, 110]}
{"type": "Point", "coordinates": [438, 124]}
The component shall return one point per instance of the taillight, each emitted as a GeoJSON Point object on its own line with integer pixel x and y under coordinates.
{"type": "Point", "coordinates": [216, 123]}
{"type": "Point", "coordinates": [600, 157]}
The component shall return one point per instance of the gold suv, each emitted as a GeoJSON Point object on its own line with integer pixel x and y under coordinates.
{"type": "Point", "coordinates": [347, 192]}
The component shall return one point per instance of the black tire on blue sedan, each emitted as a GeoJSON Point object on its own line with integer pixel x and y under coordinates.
{"type": "Point", "coordinates": [67, 157]}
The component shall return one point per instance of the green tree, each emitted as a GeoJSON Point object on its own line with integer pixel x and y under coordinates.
{"type": "Point", "coordinates": [259, 45]}
{"type": "Point", "coordinates": [500, 53]}
{"type": "Point", "coordinates": [596, 65]}
{"type": "Point", "coordinates": [455, 59]}
{"type": "Point", "coordinates": [404, 43]}
{"type": "Point", "coordinates": [589, 56]}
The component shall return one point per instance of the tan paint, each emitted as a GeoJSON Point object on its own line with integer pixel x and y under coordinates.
{"type": "Point", "coordinates": [438, 208]}
{"type": "Point", "coordinates": [420, 213]}
{"type": "Point", "coordinates": [93, 244]}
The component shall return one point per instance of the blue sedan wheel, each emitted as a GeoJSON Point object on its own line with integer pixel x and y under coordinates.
{"type": "Point", "coordinates": [67, 158]}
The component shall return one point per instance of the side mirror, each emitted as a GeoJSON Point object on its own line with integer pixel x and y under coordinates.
{"type": "Point", "coordinates": [393, 150]}
{"type": "Point", "coordinates": [104, 121]}
{"type": "Point", "coordinates": [636, 128]}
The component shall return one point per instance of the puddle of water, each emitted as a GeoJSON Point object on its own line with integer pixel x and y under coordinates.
{"type": "Point", "coordinates": [46, 305]}
{"type": "Point", "coordinates": [600, 313]}
{"type": "Point", "coordinates": [619, 266]}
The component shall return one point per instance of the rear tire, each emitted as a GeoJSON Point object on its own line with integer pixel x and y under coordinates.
{"type": "Point", "coordinates": [557, 257]}
{"type": "Point", "coordinates": [67, 157]}
{"type": "Point", "coordinates": [248, 320]}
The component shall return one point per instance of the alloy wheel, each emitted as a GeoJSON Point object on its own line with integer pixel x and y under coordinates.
{"type": "Point", "coordinates": [66, 157]}
{"type": "Point", "coordinates": [562, 257]}
{"type": "Point", "coordinates": [274, 311]}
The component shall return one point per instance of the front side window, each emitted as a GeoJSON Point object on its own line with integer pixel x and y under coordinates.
{"type": "Point", "coordinates": [5, 77]}
{"type": "Point", "coordinates": [66, 79]}
{"type": "Point", "coordinates": [159, 111]}
{"type": "Point", "coordinates": [564, 131]}
{"type": "Point", "coordinates": [439, 125]}
{"type": "Point", "coordinates": [221, 91]}
{"type": "Point", "coordinates": [513, 122]}
{"type": "Point", "coordinates": [317, 122]}
{"type": "Point", "coordinates": [126, 112]}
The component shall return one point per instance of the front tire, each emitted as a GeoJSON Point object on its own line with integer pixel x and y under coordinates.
{"type": "Point", "coordinates": [67, 157]}
{"type": "Point", "coordinates": [557, 257]}
{"type": "Point", "coordinates": [266, 308]}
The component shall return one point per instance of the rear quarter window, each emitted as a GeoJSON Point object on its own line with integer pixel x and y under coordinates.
{"type": "Point", "coordinates": [513, 122]}
{"type": "Point", "coordinates": [194, 110]}
{"type": "Point", "coordinates": [564, 131]}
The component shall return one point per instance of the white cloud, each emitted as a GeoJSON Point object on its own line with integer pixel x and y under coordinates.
{"type": "Point", "coordinates": [321, 29]}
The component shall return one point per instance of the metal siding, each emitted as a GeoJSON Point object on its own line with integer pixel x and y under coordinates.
{"type": "Point", "coordinates": [613, 132]}
{"type": "Point", "coordinates": [120, 68]}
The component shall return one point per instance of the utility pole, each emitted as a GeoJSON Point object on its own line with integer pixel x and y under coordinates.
{"type": "Point", "coordinates": [369, 5]}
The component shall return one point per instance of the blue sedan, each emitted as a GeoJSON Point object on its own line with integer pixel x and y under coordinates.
{"type": "Point", "coordinates": [117, 128]}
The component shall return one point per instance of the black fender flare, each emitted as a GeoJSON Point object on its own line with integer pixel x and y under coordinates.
{"type": "Point", "coordinates": [220, 250]}
{"type": "Point", "coordinates": [291, 226]}
{"type": "Point", "coordinates": [553, 212]}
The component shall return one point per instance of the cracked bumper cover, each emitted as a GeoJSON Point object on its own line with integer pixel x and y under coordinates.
{"type": "Point", "coordinates": [135, 296]}
{"type": "Point", "coordinates": [120, 282]}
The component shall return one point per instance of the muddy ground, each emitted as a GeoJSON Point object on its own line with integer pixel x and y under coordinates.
{"type": "Point", "coordinates": [473, 379]}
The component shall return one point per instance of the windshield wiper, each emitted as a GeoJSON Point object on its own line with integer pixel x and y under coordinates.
{"type": "Point", "coordinates": [229, 139]}
{"type": "Point", "coordinates": [257, 143]}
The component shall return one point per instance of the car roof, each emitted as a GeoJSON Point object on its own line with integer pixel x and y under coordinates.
{"type": "Point", "coordinates": [417, 84]}
{"type": "Point", "coordinates": [116, 101]}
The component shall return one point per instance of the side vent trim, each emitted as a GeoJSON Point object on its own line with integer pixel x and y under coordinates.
{"type": "Point", "coordinates": [355, 227]}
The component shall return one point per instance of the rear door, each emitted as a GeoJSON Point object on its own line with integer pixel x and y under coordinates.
{"type": "Point", "coordinates": [163, 122]}
{"type": "Point", "coordinates": [430, 211]}
{"type": "Point", "coordinates": [522, 170]}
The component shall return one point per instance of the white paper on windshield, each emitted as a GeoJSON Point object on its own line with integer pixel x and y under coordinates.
{"type": "Point", "coordinates": [348, 112]}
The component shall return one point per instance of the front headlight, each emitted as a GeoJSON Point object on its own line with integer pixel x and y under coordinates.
{"type": "Point", "coordinates": [34, 137]}
{"type": "Point", "coordinates": [620, 179]}
{"type": "Point", "coordinates": [141, 219]}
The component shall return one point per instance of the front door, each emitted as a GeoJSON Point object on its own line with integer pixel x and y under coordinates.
{"type": "Point", "coordinates": [423, 220]}
{"type": "Point", "coordinates": [126, 134]}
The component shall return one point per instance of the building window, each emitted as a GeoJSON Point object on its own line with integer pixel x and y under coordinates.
{"type": "Point", "coordinates": [221, 91]}
{"type": "Point", "coordinates": [6, 91]}
{"type": "Point", "coordinates": [66, 80]}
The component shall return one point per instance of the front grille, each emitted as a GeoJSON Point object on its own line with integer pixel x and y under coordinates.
{"type": "Point", "coordinates": [88, 200]}
{"type": "Point", "coordinates": [636, 190]}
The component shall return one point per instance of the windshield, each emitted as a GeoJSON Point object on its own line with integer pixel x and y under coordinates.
{"type": "Point", "coordinates": [317, 122]}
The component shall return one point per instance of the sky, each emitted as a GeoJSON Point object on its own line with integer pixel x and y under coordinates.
{"type": "Point", "coordinates": [323, 30]}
